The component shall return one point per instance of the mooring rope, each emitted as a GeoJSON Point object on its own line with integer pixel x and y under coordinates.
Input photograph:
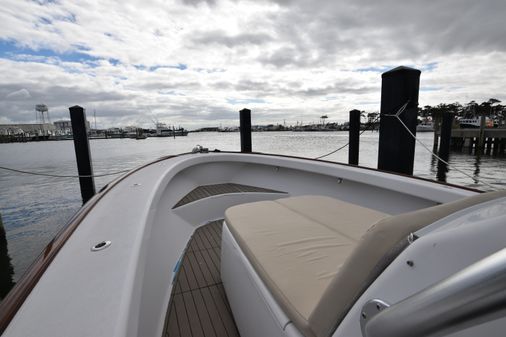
{"type": "Point", "coordinates": [62, 176]}
{"type": "Point", "coordinates": [396, 115]}
{"type": "Point", "coordinates": [475, 179]}
{"type": "Point", "coordinates": [367, 128]}
{"type": "Point", "coordinates": [345, 145]}
{"type": "Point", "coordinates": [332, 152]}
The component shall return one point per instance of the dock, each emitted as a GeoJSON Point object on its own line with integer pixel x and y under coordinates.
{"type": "Point", "coordinates": [479, 141]}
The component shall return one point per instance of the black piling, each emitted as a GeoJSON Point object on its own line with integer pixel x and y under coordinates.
{"type": "Point", "coordinates": [444, 146]}
{"type": "Point", "coordinates": [436, 120]}
{"type": "Point", "coordinates": [82, 148]}
{"type": "Point", "coordinates": [488, 144]}
{"type": "Point", "coordinates": [399, 87]}
{"type": "Point", "coordinates": [6, 269]}
{"type": "Point", "coordinates": [354, 135]}
{"type": "Point", "coordinates": [496, 146]}
{"type": "Point", "coordinates": [245, 128]}
{"type": "Point", "coordinates": [481, 139]}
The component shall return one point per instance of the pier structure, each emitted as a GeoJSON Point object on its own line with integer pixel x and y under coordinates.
{"type": "Point", "coordinates": [486, 141]}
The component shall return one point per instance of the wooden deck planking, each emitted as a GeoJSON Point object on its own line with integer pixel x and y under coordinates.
{"type": "Point", "coordinates": [206, 191]}
{"type": "Point", "coordinates": [199, 305]}
{"type": "Point", "coordinates": [172, 326]}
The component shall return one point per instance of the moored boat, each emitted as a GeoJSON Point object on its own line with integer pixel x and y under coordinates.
{"type": "Point", "coordinates": [474, 123]}
{"type": "Point", "coordinates": [425, 127]}
{"type": "Point", "coordinates": [264, 245]}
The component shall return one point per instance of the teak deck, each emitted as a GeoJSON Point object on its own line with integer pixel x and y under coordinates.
{"type": "Point", "coordinates": [199, 306]}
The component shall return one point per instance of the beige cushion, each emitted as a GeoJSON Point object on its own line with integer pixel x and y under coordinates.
{"type": "Point", "coordinates": [381, 244]}
{"type": "Point", "coordinates": [297, 245]}
{"type": "Point", "coordinates": [305, 250]}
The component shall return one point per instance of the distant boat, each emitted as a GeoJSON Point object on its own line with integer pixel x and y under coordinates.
{"type": "Point", "coordinates": [474, 122]}
{"type": "Point", "coordinates": [138, 134]}
{"type": "Point", "coordinates": [425, 127]}
{"type": "Point", "coordinates": [162, 130]}
{"type": "Point", "coordinates": [469, 123]}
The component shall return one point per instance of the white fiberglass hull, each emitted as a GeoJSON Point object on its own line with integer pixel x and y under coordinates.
{"type": "Point", "coordinates": [124, 290]}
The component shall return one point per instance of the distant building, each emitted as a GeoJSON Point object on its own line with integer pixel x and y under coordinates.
{"type": "Point", "coordinates": [65, 126]}
{"type": "Point", "coordinates": [27, 129]}
{"type": "Point", "coordinates": [130, 128]}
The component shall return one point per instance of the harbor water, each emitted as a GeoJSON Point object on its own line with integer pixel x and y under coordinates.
{"type": "Point", "coordinates": [34, 208]}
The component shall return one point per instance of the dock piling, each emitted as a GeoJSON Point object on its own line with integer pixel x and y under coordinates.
{"type": "Point", "coordinates": [354, 135]}
{"type": "Point", "coordinates": [481, 138]}
{"type": "Point", "coordinates": [437, 125]}
{"type": "Point", "coordinates": [444, 146]}
{"type": "Point", "coordinates": [82, 148]}
{"type": "Point", "coordinates": [488, 146]}
{"type": "Point", "coordinates": [245, 130]}
{"type": "Point", "coordinates": [496, 146]}
{"type": "Point", "coordinates": [6, 269]}
{"type": "Point", "coordinates": [399, 86]}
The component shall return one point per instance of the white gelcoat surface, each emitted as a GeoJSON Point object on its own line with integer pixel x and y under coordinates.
{"type": "Point", "coordinates": [456, 242]}
{"type": "Point", "coordinates": [124, 290]}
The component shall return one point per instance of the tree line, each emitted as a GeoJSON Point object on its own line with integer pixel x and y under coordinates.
{"type": "Point", "coordinates": [491, 108]}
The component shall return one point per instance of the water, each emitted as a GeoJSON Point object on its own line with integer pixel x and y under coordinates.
{"type": "Point", "coordinates": [34, 208]}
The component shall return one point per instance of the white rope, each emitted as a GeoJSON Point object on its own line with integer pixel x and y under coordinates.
{"type": "Point", "coordinates": [396, 115]}
{"type": "Point", "coordinates": [476, 180]}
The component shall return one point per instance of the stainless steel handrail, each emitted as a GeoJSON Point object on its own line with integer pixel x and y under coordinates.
{"type": "Point", "coordinates": [472, 296]}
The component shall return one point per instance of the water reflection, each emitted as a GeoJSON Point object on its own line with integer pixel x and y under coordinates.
{"type": "Point", "coordinates": [476, 172]}
{"type": "Point", "coordinates": [6, 269]}
{"type": "Point", "coordinates": [433, 162]}
{"type": "Point", "coordinates": [442, 170]}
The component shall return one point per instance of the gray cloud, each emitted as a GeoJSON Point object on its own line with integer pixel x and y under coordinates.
{"type": "Point", "coordinates": [222, 38]}
{"type": "Point", "coordinates": [297, 58]}
{"type": "Point", "coordinates": [198, 2]}
{"type": "Point", "coordinates": [408, 28]}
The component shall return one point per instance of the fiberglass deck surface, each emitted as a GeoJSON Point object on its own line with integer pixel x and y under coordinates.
{"type": "Point", "coordinates": [199, 306]}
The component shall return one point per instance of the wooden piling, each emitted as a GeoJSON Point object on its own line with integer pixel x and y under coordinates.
{"type": "Point", "coordinates": [82, 148]}
{"type": "Point", "coordinates": [400, 86]}
{"type": "Point", "coordinates": [444, 146]}
{"type": "Point", "coordinates": [496, 146]}
{"type": "Point", "coordinates": [488, 145]}
{"type": "Point", "coordinates": [245, 130]}
{"type": "Point", "coordinates": [471, 144]}
{"type": "Point", "coordinates": [6, 269]}
{"type": "Point", "coordinates": [436, 124]}
{"type": "Point", "coordinates": [481, 137]}
{"type": "Point", "coordinates": [354, 137]}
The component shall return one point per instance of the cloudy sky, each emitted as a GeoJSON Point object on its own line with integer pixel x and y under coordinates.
{"type": "Point", "coordinates": [196, 63]}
